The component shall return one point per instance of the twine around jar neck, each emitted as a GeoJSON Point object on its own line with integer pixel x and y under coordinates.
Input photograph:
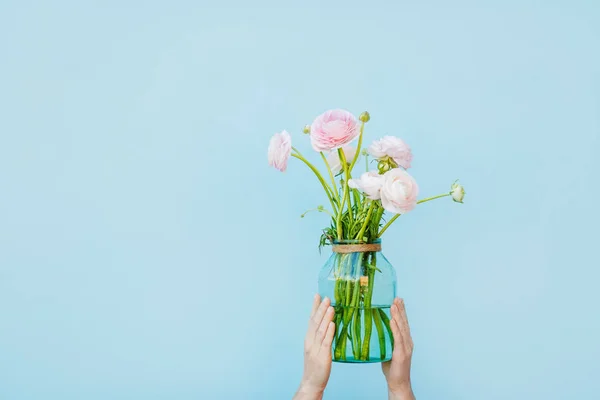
{"type": "Point", "coordinates": [356, 248]}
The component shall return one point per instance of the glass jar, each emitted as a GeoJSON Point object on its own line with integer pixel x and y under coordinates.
{"type": "Point", "coordinates": [361, 284]}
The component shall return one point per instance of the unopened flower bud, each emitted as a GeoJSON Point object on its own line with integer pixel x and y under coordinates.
{"type": "Point", "coordinates": [306, 129]}
{"type": "Point", "coordinates": [382, 167]}
{"type": "Point", "coordinates": [457, 192]}
{"type": "Point", "coordinates": [386, 164]}
{"type": "Point", "coordinates": [364, 116]}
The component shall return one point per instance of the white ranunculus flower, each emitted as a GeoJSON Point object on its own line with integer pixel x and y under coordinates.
{"type": "Point", "coordinates": [369, 183]}
{"type": "Point", "coordinates": [399, 191]}
{"type": "Point", "coordinates": [391, 147]}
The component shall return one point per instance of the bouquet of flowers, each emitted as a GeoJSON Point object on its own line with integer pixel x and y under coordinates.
{"type": "Point", "coordinates": [358, 279]}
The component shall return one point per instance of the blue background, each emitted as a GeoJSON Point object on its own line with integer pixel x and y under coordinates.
{"type": "Point", "coordinates": [148, 252]}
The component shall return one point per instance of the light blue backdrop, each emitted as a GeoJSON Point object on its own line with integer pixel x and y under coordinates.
{"type": "Point", "coordinates": [148, 252]}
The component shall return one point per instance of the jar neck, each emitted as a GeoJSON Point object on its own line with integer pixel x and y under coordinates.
{"type": "Point", "coordinates": [355, 246]}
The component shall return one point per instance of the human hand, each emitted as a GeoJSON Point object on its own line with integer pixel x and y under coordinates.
{"type": "Point", "coordinates": [397, 371]}
{"type": "Point", "coordinates": [317, 350]}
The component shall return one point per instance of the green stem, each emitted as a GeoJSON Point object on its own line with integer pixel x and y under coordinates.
{"type": "Point", "coordinates": [380, 333]}
{"type": "Point", "coordinates": [351, 340]}
{"type": "Point", "coordinates": [319, 210]}
{"type": "Point", "coordinates": [344, 293]}
{"type": "Point", "coordinates": [360, 138]}
{"type": "Point", "coordinates": [349, 310]}
{"type": "Point", "coordinates": [368, 311]}
{"type": "Point", "coordinates": [356, 199]}
{"type": "Point", "coordinates": [346, 188]}
{"type": "Point", "coordinates": [433, 198]}
{"type": "Point", "coordinates": [439, 196]}
{"type": "Point", "coordinates": [364, 226]}
{"type": "Point", "coordinates": [363, 259]}
{"type": "Point", "coordinates": [350, 301]}
{"type": "Point", "coordinates": [367, 340]}
{"type": "Point", "coordinates": [348, 291]}
{"type": "Point", "coordinates": [343, 340]}
{"type": "Point", "coordinates": [336, 293]}
{"type": "Point", "coordinates": [338, 329]}
{"type": "Point", "coordinates": [328, 190]}
{"type": "Point", "coordinates": [380, 214]}
{"type": "Point", "coordinates": [386, 322]}
{"type": "Point", "coordinates": [388, 225]}
{"type": "Point", "coordinates": [339, 215]}
{"type": "Point", "coordinates": [328, 170]}
{"type": "Point", "coordinates": [339, 309]}
{"type": "Point", "coordinates": [356, 345]}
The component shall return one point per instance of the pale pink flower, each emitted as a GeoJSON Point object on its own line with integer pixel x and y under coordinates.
{"type": "Point", "coordinates": [370, 184]}
{"type": "Point", "coordinates": [280, 148]}
{"type": "Point", "coordinates": [333, 129]}
{"type": "Point", "coordinates": [399, 191]}
{"type": "Point", "coordinates": [333, 159]}
{"type": "Point", "coordinates": [393, 147]}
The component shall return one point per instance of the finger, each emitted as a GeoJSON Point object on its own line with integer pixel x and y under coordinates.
{"type": "Point", "coordinates": [395, 310]}
{"type": "Point", "coordinates": [395, 324]}
{"type": "Point", "coordinates": [318, 317]}
{"type": "Point", "coordinates": [328, 340]}
{"type": "Point", "coordinates": [312, 326]}
{"type": "Point", "coordinates": [316, 302]}
{"type": "Point", "coordinates": [404, 327]}
{"type": "Point", "coordinates": [398, 339]}
{"type": "Point", "coordinates": [320, 335]}
{"type": "Point", "coordinates": [403, 316]}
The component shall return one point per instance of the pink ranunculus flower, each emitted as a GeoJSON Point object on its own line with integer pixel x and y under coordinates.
{"type": "Point", "coordinates": [399, 191]}
{"type": "Point", "coordinates": [280, 148]}
{"type": "Point", "coordinates": [333, 129]}
{"type": "Point", "coordinates": [333, 159]}
{"type": "Point", "coordinates": [394, 148]}
{"type": "Point", "coordinates": [370, 184]}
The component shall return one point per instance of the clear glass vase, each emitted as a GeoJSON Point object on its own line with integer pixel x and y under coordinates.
{"type": "Point", "coordinates": [361, 284]}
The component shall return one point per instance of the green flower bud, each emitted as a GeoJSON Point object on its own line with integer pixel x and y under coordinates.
{"type": "Point", "coordinates": [383, 167]}
{"type": "Point", "coordinates": [457, 192]}
{"type": "Point", "coordinates": [306, 129]}
{"type": "Point", "coordinates": [364, 116]}
{"type": "Point", "coordinates": [385, 164]}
